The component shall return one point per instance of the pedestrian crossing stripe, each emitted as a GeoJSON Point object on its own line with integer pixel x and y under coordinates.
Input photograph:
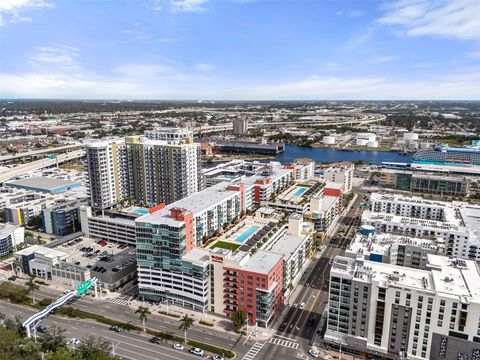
{"type": "Point", "coordinates": [284, 343]}
{"type": "Point", "coordinates": [118, 301]}
{"type": "Point", "coordinates": [253, 351]}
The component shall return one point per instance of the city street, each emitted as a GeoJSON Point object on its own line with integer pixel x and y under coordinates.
{"type": "Point", "coordinates": [301, 325]}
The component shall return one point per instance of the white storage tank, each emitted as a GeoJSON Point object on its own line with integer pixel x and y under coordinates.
{"type": "Point", "coordinates": [410, 136]}
{"type": "Point", "coordinates": [362, 142]}
{"type": "Point", "coordinates": [328, 140]}
{"type": "Point", "coordinates": [367, 136]}
{"type": "Point", "coordinates": [372, 144]}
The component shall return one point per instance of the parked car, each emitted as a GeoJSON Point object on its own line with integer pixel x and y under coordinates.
{"type": "Point", "coordinates": [217, 357]}
{"type": "Point", "coordinates": [282, 326]}
{"type": "Point", "coordinates": [197, 351]}
{"type": "Point", "coordinates": [178, 347]}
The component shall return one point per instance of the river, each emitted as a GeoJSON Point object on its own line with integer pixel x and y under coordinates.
{"type": "Point", "coordinates": [320, 155]}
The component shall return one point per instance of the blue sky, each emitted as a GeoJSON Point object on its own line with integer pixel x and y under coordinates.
{"type": "Point", "coordinates": [240, 49]}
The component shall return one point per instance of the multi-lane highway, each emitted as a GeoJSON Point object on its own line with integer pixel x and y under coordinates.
{"type": "Point", "coordinates": [123, 313]}
{"type": "Point", "coordinates": [39, 164]}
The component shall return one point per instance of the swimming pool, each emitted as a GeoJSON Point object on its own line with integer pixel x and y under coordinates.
{"type": "Point", "coordinates": [140, 211]}
{"type": "Point", "coordinates": [246, 234]}
{"type": "Point", "coordinates": [299, 191]}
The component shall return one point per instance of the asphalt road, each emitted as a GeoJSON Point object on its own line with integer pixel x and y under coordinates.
{"type": "Point", "coordinates": [125, 314]}
{"type": "Point", "coordinates": [131, 345]}
{"type": "Point", "coordinates": [301, 325]}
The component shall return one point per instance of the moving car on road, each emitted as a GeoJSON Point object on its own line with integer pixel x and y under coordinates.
{"type": "Point", "coordinates": [178, 347]}
{"type": "Point", "coordinates": [301, 306]}
{"type": "Point", "coordinates": [197, 351]}
{"type": "Point", "coordinates": [73, 341]}
{"type": "Point", "coordinates": [314, 353]}
{"type": "Point", "coordinates": [155, 340]}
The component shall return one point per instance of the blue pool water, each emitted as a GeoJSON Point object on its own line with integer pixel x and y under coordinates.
{"type": "Point", "coordinates": [300, 191]}
{"type": "Point", "coordinates": [140, 211]}
{"type": "Point", "coordinates": [246, 234]}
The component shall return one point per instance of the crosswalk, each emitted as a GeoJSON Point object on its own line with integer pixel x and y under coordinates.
{"type": "Point", "coordinates": [118, 301]}
{"type": "Point", "coordinates": [253, 351]}
{"type": "Point", "coordinates": [285, 343]}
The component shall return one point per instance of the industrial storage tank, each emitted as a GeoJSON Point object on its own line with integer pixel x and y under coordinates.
{"type": "Point", "coordinates": [372, 144]}
{"type": "Point", "coordinates": [328, 140]}
{"type": "Point", "coordinates": [362, 142]}
{"type": "Point", "coordinates": [410, 136]}
{"type": "Point", "coordinates": [367, 230]}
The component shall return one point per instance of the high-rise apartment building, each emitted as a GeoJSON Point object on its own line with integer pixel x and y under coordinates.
{"type": "Point", "coordinates": [341, 172]}
{"type": "Point", "coordinates": [163, 168]}
{"type": "Point", "coordinates": [240, 126]}
{"type": "Point", "coordinates": [397, 312]}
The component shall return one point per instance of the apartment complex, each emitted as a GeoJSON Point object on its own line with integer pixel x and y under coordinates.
{"type": "Point", "coordinates": [161, 168]}
{"type": "Point", "coordinates": [240, 126]}
{"type": "Point", "coordinates": [398, 312]}
{"type": "Point", "coordinates": [457, 223]}
{"type": "Point", "coordinates": [423, 182]}
{"type": "Point", "coordinates": [341, 172]}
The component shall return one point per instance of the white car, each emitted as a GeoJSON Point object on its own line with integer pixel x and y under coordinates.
{"type": "Point", "coordinates": [178, 347]}
{"type": "Point", "coordinates": [73, 341]}
{"type": "Point", "coordinates": [68, 291]}
{"type": "Point", "coordinates": [197, 351]}
{"type": "Point", "coordinates": [314, 353]}
{"type": "Point", "coordinates": [217, 357]}
{"type": "Point", "coordinates": [301, 306]}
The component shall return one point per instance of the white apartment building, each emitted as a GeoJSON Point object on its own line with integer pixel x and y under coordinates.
{"type": "Point", "coordinates": [240, 126]}
{"type": "Point", "coordinates": [171, 135]}
{"type": "Point", "coordinates": [324, 210]}
{"type": "Point", "coordinates": [304, 169]}
{"type": "Point", "coordinates": [107, 175]}
{"type": "Point", "coordinates": [398, 312]}
{"type": "Point", "coordinates": [148, 171]}
{"type": "Point", "coordinates": [457, 223]}
{"type": "Point", "coordinates": [340, 173]}
{"type": "Point", "coordinates": [394, 249]}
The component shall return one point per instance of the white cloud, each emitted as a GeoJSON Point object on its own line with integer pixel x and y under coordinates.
{"type": "Point", "coordinates": [205, 67]}
{"type": "Point", "coordinates": [150, 71]}
{"type": "Point", "coordinates": [457, 19]}
{"type": "Point", "coordinates": [62, 54]}
{"type": "Point", "coordinates": [358, 39]}
{"type": "Point", "coordinates": [351, 13]}
{"type": "Point", "coordinates": [188, 5]}
{"type": "Point", "coordinates": [11, 10]}
{"type": "Point", "coordinates": [382, 59]}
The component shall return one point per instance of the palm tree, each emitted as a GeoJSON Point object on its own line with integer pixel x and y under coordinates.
{"type": "Point", "coordinates": [32, 287]}
{"type": "Point", "coordinates": [186, 323]}
{"type": "Point", "coordinates": [143, 314]}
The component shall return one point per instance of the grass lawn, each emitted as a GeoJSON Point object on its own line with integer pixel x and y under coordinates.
{"type": "Point", "coordinates": [225, 245]}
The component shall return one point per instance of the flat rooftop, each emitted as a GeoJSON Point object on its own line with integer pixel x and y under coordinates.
{"type": "Point", "coordinates": [286, 245]}
{"type": "Point", "coordinates": [44, 184]}
{"type": "Point", "coordinates": [195, 203]}
{"type": "Point", "coordinates": [262, 262]}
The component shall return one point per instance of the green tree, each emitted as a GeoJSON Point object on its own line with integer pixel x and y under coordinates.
{"type": "Point", "coordinates": [186, 323]}
{"type": "Point", "coordinates": [92, 346]}
{"type": "Point", "coordinates": [53, 339]}
{"type": "Point", "coordinates": [32, 287]}
{"type": "Point", "coordinates": [143, 313]}
{"type": "Point", "coordinates": [238, 319]}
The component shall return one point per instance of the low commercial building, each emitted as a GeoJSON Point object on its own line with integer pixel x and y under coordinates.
{"type": "Point", "coordinates": [44, 184]}
{"type": "Point", "coordinates": [11, 236]}
{"type": "Point", "coordinates": [62, 219]}
{"type": "Point", "coordinates": [423, 182]}
{"type": "Point", "coordinates": [394, 312]}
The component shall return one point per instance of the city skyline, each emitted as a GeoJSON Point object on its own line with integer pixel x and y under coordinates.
{"type": "Point", "coordinates": [245, 50]}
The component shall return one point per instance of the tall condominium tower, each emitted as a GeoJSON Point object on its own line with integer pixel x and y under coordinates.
{"type": "Point", "coordinates": [106, 166]}
{"type": "Point", "coordinates": [146, 170]}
